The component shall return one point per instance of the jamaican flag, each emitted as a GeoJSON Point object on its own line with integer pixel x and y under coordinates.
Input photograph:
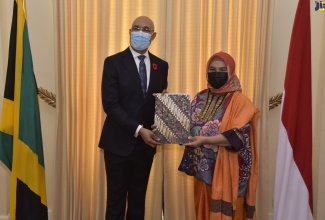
{"type": "Point", "coordinates": [21, 145]}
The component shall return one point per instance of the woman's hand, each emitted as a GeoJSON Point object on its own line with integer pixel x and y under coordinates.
{"type": "Point", "coordinates": [196, 141]}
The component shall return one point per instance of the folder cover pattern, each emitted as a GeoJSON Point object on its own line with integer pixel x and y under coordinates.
{"type": "Point", "coordinates": [172, 117]}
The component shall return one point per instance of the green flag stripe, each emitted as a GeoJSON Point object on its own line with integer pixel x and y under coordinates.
{"type": "Point", "coordinates": [6, 149]}
{"type": "Point", "coordinates": [29, 122]}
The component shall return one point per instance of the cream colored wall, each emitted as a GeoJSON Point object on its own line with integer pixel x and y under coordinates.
{"type": "Point", "coordinates": [318, 71]}
{"type": "Point", "coordinates": [40, 27]}
{"type": "Point", "coordinates": [284, 12]}
{"type": "Point", "coordinates": [40, 24]}
{"type": "Point", "coordinates": [318, 99]}
{"type": "Point", "coordinates": [4, 174]}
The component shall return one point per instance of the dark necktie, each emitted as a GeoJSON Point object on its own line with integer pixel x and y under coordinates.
{"type": "Point", "coordinates": [143, 74]}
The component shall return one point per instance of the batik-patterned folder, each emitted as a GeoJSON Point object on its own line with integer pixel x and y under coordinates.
{"type": "Point", "coordinates": [172, 117]}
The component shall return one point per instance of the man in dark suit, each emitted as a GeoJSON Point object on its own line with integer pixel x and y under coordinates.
{"type": "Point", "coordinates": [130, 78]}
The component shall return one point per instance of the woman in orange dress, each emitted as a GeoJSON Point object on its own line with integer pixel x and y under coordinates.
{"type": "Point", "coordinates": [222, 152]}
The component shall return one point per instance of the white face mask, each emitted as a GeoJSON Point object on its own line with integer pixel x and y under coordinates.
{"type": "Point", "coordinates": [140, 40]}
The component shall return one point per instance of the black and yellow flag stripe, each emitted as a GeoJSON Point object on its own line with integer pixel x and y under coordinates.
{"type": "Point", "coordinates": [21, 145]}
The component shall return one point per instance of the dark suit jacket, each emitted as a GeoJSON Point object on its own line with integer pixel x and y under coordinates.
{"type": "Point", "coordinates": [123, 101]}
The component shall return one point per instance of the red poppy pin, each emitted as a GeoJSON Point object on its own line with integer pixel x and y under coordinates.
{"type": "Point", "coordinates": [154, 66]}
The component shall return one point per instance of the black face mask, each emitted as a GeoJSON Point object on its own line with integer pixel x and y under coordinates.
{"type": "Point", "coordinates": [217, 79]}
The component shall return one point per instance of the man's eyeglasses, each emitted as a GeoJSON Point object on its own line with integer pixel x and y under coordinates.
{"type": "Point", "coordinates": [144, 29]}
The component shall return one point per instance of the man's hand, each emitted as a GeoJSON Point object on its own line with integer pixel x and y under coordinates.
{"type": "Point", "coordinates": [162, 93]}
{"type": "Point", "coordinates": [149, 137]}
{"type": "Point", "coordinates": [154, 127]}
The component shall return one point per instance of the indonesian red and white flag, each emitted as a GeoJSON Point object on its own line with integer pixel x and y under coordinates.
{"type": "Point", "coordinates": [293, 198]}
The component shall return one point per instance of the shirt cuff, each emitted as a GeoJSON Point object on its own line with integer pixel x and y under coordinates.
{"type": "Point", "coordinates": [234, 139]}
{"type": "Point", "coordinates": [137, 131]}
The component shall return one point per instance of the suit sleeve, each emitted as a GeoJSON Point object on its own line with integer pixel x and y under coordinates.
{"type": "Point", "coordinates": [110, 99]}
{"type": "Point", "coordinates": [165, 85]}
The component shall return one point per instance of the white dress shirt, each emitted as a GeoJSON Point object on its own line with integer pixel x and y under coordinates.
{"type": "Point", "coordinates": [146, 61]}
{"type": "Point", "coordinates": [137, 62]}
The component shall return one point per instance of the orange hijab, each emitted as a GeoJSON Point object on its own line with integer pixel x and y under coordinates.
{"type": "Point", "coordinates": [233, 83]}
